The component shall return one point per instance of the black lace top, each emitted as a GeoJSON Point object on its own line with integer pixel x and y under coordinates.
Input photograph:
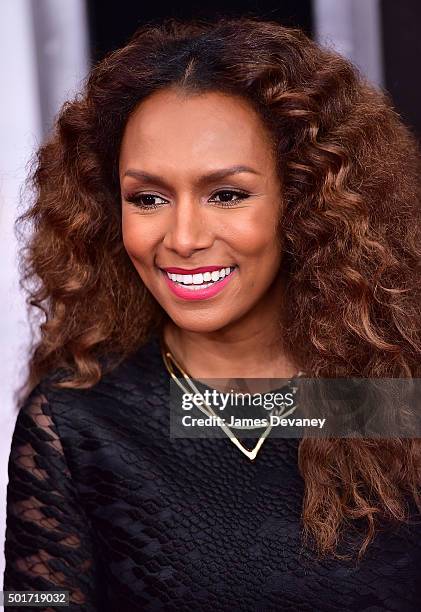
{"type": "Point", "coordinates": [103, 503]}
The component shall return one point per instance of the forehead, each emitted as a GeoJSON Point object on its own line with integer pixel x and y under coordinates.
{"type": "Point", "coordinates": [171, 125]}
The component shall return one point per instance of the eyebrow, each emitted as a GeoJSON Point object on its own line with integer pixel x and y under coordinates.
{"type": "Point", "coordinates": [202, 180]}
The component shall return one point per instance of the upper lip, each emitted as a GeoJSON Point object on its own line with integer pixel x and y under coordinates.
{"type": "Point", "coordinates": [194, 270]}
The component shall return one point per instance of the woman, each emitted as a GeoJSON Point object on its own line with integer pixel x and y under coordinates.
{"type": "Point", "coordinates": [241, 158]}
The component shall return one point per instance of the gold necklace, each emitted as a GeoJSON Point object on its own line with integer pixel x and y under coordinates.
{"type": "Point", "coordinates": [207, 408]}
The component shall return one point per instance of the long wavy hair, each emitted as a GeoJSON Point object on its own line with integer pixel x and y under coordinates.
{"type": "Point", "coordinates": [350, 171]}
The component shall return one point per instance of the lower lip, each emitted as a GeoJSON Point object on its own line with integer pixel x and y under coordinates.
{"type": "Point", "coordinates": [198, 294]}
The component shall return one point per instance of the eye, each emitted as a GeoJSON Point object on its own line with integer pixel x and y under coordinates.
{"type": "Point", "coordinates": [145, 200]}
{"type": "Point", "coordinates": [225, 197]}
{"type": "Point", "coordinates": [148, 201]}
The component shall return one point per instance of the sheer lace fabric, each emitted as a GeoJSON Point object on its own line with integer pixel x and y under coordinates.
{"type": "Point", "coordinates": [47, 542]}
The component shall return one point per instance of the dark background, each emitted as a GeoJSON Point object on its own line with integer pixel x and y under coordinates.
{"type": "Point", "coordinates": [112, 24]}
{"type": "Point", "coordinates": [401, 27]}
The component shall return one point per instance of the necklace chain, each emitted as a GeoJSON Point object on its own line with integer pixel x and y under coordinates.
{"type": "Point", "coordinates": [207, 409]}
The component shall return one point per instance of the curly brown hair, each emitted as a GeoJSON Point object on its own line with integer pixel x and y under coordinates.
{"type": "Point", "coordinates": [351, 175]}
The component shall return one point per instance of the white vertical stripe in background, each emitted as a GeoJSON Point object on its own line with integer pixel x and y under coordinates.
{"type": "Point", "coordinates": [44, 57]}
{"type": "Point", "coordinates": [353, 28]}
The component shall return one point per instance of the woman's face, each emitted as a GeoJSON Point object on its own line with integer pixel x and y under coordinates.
{"type": "Point", "coordinates": [200, 194]}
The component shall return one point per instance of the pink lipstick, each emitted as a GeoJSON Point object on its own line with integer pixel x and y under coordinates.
{"type": "Point", "coordinates": [191, 292]}
{"type": "Point", "coordinates": [193, 270]}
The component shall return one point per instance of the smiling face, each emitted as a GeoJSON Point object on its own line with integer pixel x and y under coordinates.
{"type": "Point", "coordinates": [200, 190]}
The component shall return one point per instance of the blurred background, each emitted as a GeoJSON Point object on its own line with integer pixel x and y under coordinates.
{"type": "Point", "coordinates": [47, 48]}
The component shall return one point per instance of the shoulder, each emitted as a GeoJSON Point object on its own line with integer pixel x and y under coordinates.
{"type": "Point", "coordinates": [127, 403]}
{"type": "Point", "coordinates": [134, 380]}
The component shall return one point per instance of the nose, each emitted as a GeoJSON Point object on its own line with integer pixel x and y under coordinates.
{"type": "Point", "coordinates": [189, 228]}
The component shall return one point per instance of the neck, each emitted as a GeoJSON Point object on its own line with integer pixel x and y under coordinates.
{"type": "Point", "coordinates": [250, 348]}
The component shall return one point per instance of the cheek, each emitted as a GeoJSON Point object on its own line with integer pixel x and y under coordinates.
{"type": "Point", "coordinates": [256, 235]}
{"type": "Point", "coordinates": [137, 237]}
{"type": "Point", "coordinates": [257, 243]}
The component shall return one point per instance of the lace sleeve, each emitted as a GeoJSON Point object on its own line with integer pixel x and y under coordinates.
{"type": "Point", "coordinates": [48, 541]}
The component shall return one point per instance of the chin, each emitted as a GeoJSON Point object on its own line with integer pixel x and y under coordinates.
{"type": "Point", "coordinates": [198, 325]}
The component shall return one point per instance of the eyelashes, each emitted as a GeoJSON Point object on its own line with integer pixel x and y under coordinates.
{"type": "Point", "coordinates": [145, 201]}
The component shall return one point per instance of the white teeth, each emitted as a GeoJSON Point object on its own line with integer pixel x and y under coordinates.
{"type": "Point", "coordinates": [199, 279]}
